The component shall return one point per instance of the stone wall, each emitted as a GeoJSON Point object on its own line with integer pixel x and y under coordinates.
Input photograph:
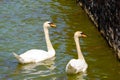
{"type": "Point", "coordinates": [106, 16]}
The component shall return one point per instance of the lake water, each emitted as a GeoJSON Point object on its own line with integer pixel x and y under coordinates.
{"type": "Point", "coordinates": [21, 29]}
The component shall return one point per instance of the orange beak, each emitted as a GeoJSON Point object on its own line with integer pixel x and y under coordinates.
{"type": "Point", "coordinates": [83, 35]}
{"type": "Point", "coordinates": [52, 25]}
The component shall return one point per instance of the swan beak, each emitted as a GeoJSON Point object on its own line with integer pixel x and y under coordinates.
{"type": "Point", "coordinates": [52, 25]}
{"type": "Point", "coordinates": [83, 35]}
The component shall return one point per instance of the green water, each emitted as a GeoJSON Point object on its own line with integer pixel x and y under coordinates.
{"type": "Point", "coordinates": [21, 29]}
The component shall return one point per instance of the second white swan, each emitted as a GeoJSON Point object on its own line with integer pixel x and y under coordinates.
{"type": "Point", "coordinates": [36, 55]}
{"type": "Point", "coordinates": [79, 65]}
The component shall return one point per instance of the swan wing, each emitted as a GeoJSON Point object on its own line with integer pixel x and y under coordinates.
{"type": "Point", "coordinates": [35, 56]}
{"type": "Point", "coordinates": [81, 65]}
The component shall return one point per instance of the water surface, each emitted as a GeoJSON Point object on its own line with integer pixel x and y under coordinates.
{"type": "Point", "coordinates": [21, 29]}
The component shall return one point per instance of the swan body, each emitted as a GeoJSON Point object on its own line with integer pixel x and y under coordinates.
{"type": "Point", "coordinates": [75, 66]}
{"type": "Point", "coordinates": [36, 55]}
{"type": "Point", "coordinates": [79, 65]}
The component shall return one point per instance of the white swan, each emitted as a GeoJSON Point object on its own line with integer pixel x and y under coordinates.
{"type": "Point", "coordinates": [36, 55]}
{"type": "Point", "coordinates": [79, 65]}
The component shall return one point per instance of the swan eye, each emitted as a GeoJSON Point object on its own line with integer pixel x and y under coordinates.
{"type": "Point", "coordinates": [52, 24]}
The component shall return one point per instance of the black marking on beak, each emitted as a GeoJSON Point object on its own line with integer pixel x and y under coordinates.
{"type": "Point", "coordinates": [52, 24]}
{"type": "Point", "coordinates": [83, 35]}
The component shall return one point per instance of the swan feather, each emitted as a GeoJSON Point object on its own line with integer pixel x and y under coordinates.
{"type": "Point", "coordinates": [75, 66]}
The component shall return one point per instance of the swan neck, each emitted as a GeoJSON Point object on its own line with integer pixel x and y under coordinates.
{"type": "Point", "coordinates": [80, 55]}
{"type": "Point", "coordinates": [47, 38]}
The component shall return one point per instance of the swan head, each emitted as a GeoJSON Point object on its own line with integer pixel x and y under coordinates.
{"type": "Point", "coordinates": [48, 24]}
{"type": "Point", "coordinates": [79, 34]}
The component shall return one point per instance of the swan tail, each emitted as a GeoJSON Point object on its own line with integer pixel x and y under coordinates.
{"type": "Point", "coordinates": [18, 58]}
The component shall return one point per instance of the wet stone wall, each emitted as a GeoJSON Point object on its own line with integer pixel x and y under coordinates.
{"type": "Point", "coordinates": [106, 16]}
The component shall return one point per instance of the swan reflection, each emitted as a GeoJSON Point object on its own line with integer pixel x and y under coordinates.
{"type": "Point", "coordinates": [44, 68]}
{"type": "Point", "coordinates": [81, 76]}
